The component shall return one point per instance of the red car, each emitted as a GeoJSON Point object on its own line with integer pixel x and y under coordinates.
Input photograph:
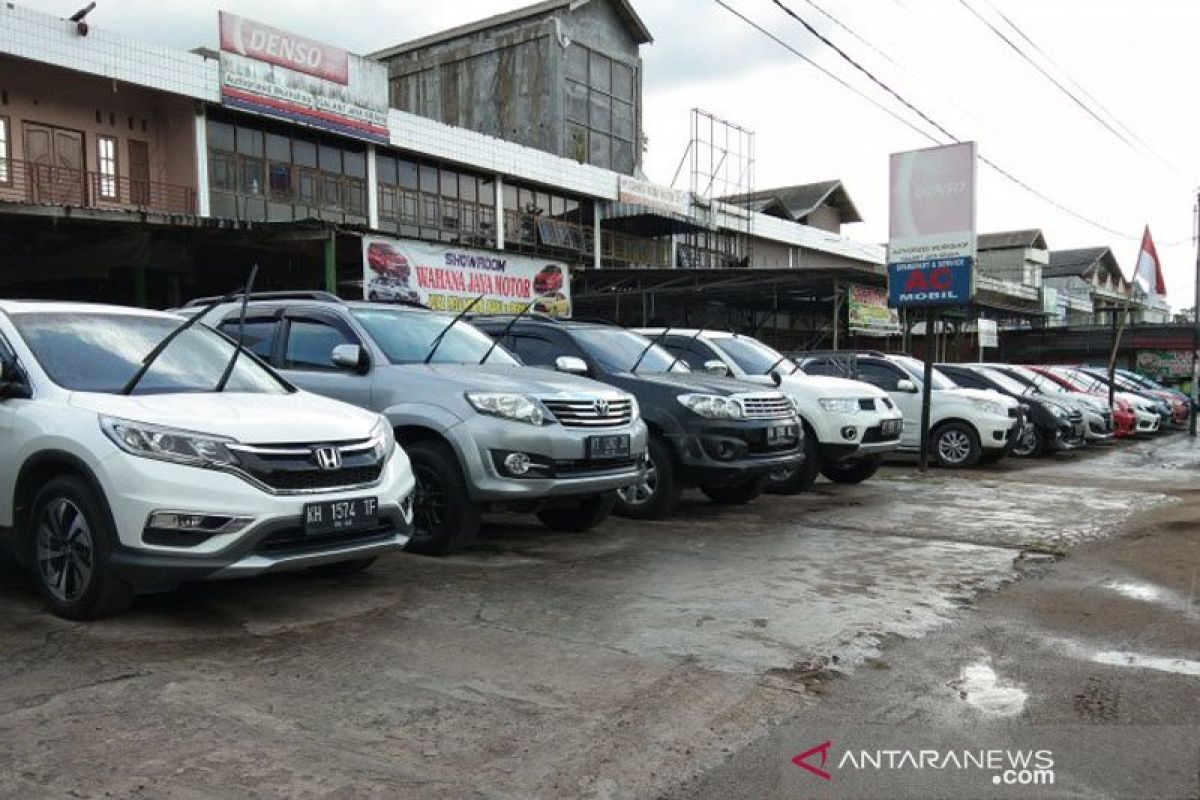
{"type": "Point", "coordinates": [388, 262]}
{"type": "Point", "coordinates": [549, 280]}
{"type": "Point", "coordinates": [1124, 420]}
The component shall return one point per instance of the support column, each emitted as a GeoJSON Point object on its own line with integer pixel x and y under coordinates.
{"type": "Point", "coordinates": [331, 263]}
{"type": "Point", "coordinates": [203, 200]}
{"type": "Point", "coordinates": [596, 237]}
{"type": "Point", "coordinates": [372, 190]}
{"type": "Point", "coordinates": [139, 285]}
{"type": "Point", "coordinates": [499, 212]}
{"type": "Point", "coordinates": [837, 314]}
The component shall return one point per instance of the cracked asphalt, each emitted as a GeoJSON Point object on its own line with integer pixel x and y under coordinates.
{"type": "Point", "coordinates": [690, 658]}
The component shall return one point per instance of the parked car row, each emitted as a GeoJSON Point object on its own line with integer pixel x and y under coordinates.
{"type": "Point", "coordinates": [294, 430]}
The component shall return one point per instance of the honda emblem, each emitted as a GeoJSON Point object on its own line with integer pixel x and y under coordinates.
{"type": "Point", "coordinates": [328, 458]}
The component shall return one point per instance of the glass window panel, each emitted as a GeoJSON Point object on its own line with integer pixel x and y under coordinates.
{"type": "Point", "coordinates": [558, 206]}
{"type": "Point", "coordinates": [599, 113]}
{"type": "Point", "coordinates": [467, 188]}
{"type": "Point", "coordinates": [223, 171]}
{"type": "Point", "coordinates": [249, 142]}
{"type": "Point", "coordinates": [601, 155]}
{"type": "Point", "coordinates": [622, 81]}
{"type": "Point", "coordinates": [280, 176]}
{"type": "Point", "coordinates": [307, 187]}
{"type": "Point", "coordinates": [577, 63]}
{"type": "Point", "coordinates": [355, 163]}
{"type": "Point", "coordinates": [279, 148]}
{"type": "Point", "coordinates": [304, 153]}
{"type": "Point", "coordinates": [330, 158]}
{"type": "Point", "coordinates": [576, 102]}
{"type": "Point", "coordinates": [385, 170]}
{"type": "Point", "coordinates": [577, 142]}
{"type": "Point", "coordinates": [223, 205]}
{"type": "Point", "coordinates": [429, 179]}
{"type": "Point", "coordinates": [449, 183]}
{"type": "Point", "coordinates": [510, 196]}
{"type": "Point", "coordinates": [600, 72]}
{"type": "Point", "coordinates": [251, 176]}
{"type": "Point", "coordinates": [408, 174]}
{"type": "Point", "coordinates": [331, 191]}
{"type": "Point", "coordinates": [623, 120]}
{"type": "Point", "coordinates": [622, 156]}
{"type": "Point", "coordinates": [487, 192]}
{"type": "Point", "coordinates": [220, 136]}
{"type": "Point", "coordinates": [4, 154]}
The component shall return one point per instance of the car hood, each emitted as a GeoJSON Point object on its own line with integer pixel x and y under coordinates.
{"type": "Point", "coordinates": [700, 382]}
{"type": "Point", "coordinates": [979, 394]}
{"type": "Point", "coordinates": [499, 378]}
{"type": "Point", "coordinates": [829, 386]}
{"type": "Point", "coordinates": [293, 418]}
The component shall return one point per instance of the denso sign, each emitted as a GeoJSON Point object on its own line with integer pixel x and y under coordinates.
{"type": "Point", "coordinates": [273, 46]}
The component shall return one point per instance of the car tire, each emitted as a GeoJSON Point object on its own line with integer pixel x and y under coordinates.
{"type": "Point", "coordinates": [1030, 443]}
{"type": "Point", "coordinates": [853, 471]}
{"type": "Point", "coordinates": [955, 445]}
{"type": "Point", "coordinates": [343, 569]}
{"type": "Point", "coordinates": [658, 493]}
{"type": "Point", "coordinates": [800, 477]}
{"type": "Point", "coordinates": [580, 516]}
{"type": "Point", "coordinates": [736, 494]}
{"type": "Point", "coordinates": [71, 540]}
{"type": "Point", "coordinates": [444, 518]}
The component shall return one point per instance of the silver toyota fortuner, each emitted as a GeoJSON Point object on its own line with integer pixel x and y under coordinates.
{"type": "Point", "coordinates": [484, 433]}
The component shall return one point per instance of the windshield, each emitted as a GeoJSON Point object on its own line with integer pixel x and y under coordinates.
{"type": "Point", "coordinates": [406, 337]}
{"type": "Point", "coordinates": [1003, 381]}
{"type": "Point", "coordinates": [617, 350]}
{"type": "Point", "coordinates": [100, 352]}
{"type": "Point", "coordinates": [916, 371]}
{"type": "Point", "coordinates": [1039, 382]}
{"type": "Point", "coordinates": [1081, 381]}
{"type": "Point", "coordinates": [751, 355]}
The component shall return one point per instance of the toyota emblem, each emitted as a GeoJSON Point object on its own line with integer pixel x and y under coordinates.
{"type": "Point", "coordinates": [328, 458]}
{"type": "Point", "coordinates": [602, 407]}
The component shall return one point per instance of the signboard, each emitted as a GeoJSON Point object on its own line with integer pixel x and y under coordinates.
{"type": "Point", "coordinates": [651, 195]}
{"type": "Point", "coordinates": [448, 278]}
{"type": "Point", "coordinates": [931, 226]}
{"type": "Point", "coordinates": [279, 74]}
{"type": "Point", "coordinates": [868, 312]}
{"type": "Point", "coordinates": [1174, 364]}
{"type": "Point", "coordinates": [989, 333]}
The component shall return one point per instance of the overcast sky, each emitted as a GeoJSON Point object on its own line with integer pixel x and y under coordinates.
{"type": "Point", "coordinates": [1139, 60]}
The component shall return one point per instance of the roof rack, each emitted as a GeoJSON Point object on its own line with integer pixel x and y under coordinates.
{"type": "Point", "coordinates": [876, 353]}
{"type": "Point", "coordinates": [537, 315]}
{"type": "Point", "coordinates": [324, 297]}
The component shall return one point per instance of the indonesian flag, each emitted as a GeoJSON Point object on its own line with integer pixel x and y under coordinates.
{"type": "Point", "coordinates": [1148, 275]}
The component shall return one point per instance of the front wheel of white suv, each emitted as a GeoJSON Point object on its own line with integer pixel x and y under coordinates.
{"type": "Point", "coordinates": [71, 541]}
{"type": "Point", "coordinates": [955, 444]}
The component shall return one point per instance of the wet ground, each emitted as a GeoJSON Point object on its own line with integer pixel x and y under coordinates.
{"type": "Point", "coordinates": [691, 658]}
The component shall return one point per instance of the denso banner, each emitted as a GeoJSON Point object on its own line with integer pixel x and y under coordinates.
{"type": "Point", "coordinates": [448, 278]}
{"type": "Point", "coordinates": [931, 225]}
{"type": "Point", "coordinates": [271, 72]}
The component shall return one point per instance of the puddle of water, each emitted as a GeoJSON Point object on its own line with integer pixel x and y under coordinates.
{"type": "Point", "coordinates": [1118, 658]}
{"type": "Point", "coordinates": [982, 688]}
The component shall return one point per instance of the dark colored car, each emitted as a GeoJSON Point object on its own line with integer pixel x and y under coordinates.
{"type": "Point", "coordinates": [1049, 426]}
{"type": "Point", "coordinates": [549, 280]}
{"type": "Point", "coordinates": [721, 435]}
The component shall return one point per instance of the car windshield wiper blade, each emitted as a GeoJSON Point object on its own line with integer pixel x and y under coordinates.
{"type": "Point", "coordinates": [437, 341]}
{"type": "Point", "coordinates": [649, 347]}
{"type": "Point", "coordinates": [153, 355]}
{"type": "Point", "coordinates": [778, 361]}
{"type": "Point", "coordinates": [241, 340]}
{"type": "Point", "coordinates": [691, 338]}
{"type": "Point", "coordinates": [507, 328]}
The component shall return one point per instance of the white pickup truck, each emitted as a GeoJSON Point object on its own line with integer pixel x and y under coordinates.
{"type": "Point", "coordinates": [847, 424]}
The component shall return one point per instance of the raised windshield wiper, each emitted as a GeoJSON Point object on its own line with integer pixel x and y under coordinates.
{"type": "Point", "coordinates": [153, 355]}
{"type": "Point", "coordinates": [507, 329]}
{"type": "Point", "coordinates": [780, 360]}
{"type": "Point", "coordinates": [241, 340]}
{"type": "Point", "coordinates": [649, 347]}
{"type": "Point", "coordinates": [437, 341]}
{"type": "Point", "coordinates": [691, 338]}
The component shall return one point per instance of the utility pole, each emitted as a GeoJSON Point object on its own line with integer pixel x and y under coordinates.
{"type": "Point", "coordinates": [1196, 329]}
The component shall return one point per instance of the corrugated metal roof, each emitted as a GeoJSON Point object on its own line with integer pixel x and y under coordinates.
{"type": "Point", "coordinates": [801, 200]}
{"type": "Point", "coordinates": [1004, 240]}
{"type": "Point", "coordinates": [1081, 262]}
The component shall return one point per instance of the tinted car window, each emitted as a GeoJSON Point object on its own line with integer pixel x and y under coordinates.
{"type": "Point", "coordinates": [884, 376]}
{"type": "Point", "coordinates": [619, 350]}
{"type": "Point", "coordinates": [690, 352]}
{"type": "Point", "coordinates": [259, 336]}
{"type": "Point", "coordinates": [310, 344]}
{"type": "Point", "coordinates": [538, 352]}
{"type": "Point", "coordinates": [828, 368]}
{"type": "Point", "coordinates": [406, 337]}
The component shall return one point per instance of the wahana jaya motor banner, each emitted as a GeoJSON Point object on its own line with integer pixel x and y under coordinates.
{"type": "Point", "coordinates": [448, 278]}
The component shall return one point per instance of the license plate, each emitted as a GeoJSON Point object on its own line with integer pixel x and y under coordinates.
{"type": "Point", "coordinates": [892, 427]}
{"type": "Point", "coordinates": [608, 446]}
{"type": "Point", "coordinates": [781, 435]}
{"type": "Point", "coordinates": [341, 515]}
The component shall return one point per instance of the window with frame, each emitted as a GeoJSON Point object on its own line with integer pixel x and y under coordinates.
{"type": "Point", "coordinates": [601, 105]}
{"type": "Point", "coordinates": [106, 160]}
{"type": "Point", "coordinates": [5, 174]}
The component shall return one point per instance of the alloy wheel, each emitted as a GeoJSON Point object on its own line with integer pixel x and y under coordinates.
{"type": "Point", "coordinates": [65, 550]}
{"type": "Point", "coordinates": [429, 501]}
{"type": "Point", "coordinates": [1026, 443]}
{"type": "Point", "coordinates": [954, 447]}
{"type": "Point", "coordinates": [643, 492]}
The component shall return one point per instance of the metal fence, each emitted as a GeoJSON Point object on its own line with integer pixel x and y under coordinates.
{"type": "Point", "coordinates": [46, 184]}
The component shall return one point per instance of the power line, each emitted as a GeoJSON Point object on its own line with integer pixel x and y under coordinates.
{"type": "Point", "coordinates": [870, 75]}
{"type": "Point", "coordinates": [847, 29]}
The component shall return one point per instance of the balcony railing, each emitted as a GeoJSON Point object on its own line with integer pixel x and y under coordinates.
{"type": "Point", "coordinates": [28, 182]}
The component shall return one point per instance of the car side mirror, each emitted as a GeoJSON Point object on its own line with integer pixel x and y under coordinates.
{"type": "Point", "coordinates": [572, 365]}
{"type": "Point", "coordinates": [905, 385]}
{"type": "Point", "coordinates": [13, 383]}
{"type": "Point", "coordinates": [716, 367]}
{"type": "Point", "coordinates": [351, 357]}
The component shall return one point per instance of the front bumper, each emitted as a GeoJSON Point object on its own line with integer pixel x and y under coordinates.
{"type": "Point", "coordinates": [716, 452]}
{"type": "Point", "coordinates": [867, 437]}
{"type": "Point", "coordinates": [559, 451]}
{"type": "Point", "coordinates": [999, 433]}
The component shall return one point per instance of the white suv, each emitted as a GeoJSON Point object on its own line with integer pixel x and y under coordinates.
{"type": "Point", "coordinates": [965, 425]}
{"type": "Point", "coordinates": [847, 424]}
{"type": "Point", "coordinates": [140, 451]}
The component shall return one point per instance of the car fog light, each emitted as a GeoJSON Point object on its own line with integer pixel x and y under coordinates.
{"type": "Point", "coordinates": [180, 521]}
{"type": "Point", "coordinates": [517, 463]}
{"type": "Point", "coordinates": [849, 432]}
{"type": "Point", "coordinates": [406, 506]}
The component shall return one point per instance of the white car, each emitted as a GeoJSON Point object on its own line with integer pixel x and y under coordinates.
{"type": "Point", "coordinates": [139, 452]}
{"type": "Point", "coordinates": [965, 425]}
{"type": "Point", "coordinates": [848, 424]}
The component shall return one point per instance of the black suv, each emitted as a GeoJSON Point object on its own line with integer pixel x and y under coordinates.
{"type": "Point", "coordinates": [721, 435]}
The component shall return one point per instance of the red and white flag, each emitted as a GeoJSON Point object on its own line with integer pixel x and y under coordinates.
{"type": "Point", "coordinates": [1148, 275]}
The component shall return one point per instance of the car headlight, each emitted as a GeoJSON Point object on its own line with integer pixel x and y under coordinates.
{"type": "Point", "coordinates": [169, 444]}
{"type": "Point", "coordinates": [635, 410]}
{"type": "Point", "coordinates": [988, 407]}
{"type": "Point", "coordinates": [711, 406]}
{"type": "Point", "coordinates": [840, 405]}
{"type": "Point", "coordinates": [384, 439]}
{"type": "Point", "coordinates": [516, 407]}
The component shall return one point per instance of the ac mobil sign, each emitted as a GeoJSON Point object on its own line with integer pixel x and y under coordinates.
{"type": "Point", "coordinates": [941, 282]}
{"type": "Point", "coordinates": [931, 226]}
